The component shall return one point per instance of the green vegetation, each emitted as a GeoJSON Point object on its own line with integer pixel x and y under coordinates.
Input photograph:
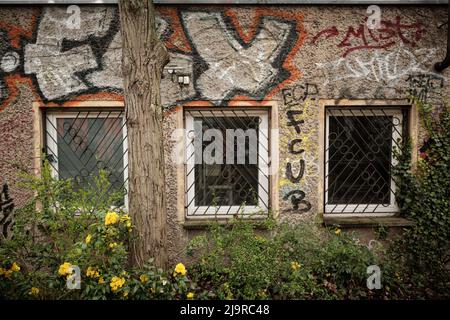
{"type": "Point", "coordinates": [64, 227]}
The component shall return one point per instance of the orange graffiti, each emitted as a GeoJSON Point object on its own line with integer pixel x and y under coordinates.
{"type": "Point", "coordinates": [248, 35]}
{"type": "Point", "coordinates": [12, 83]}
{"type": "Point", "coordinates": [177, 40]}
{"type": "Point", "coordinates": [16, 32]}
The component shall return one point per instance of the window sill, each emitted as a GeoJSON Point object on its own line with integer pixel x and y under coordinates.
{"type": "Point", "coordinates": [354, 222]}
{"type": "Point", "coordinates": [204, 224]}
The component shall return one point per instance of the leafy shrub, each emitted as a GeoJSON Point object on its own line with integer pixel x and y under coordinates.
{"type": "Point", "coordinates": [64, 227]}
{"type": "Point", "coordinates": [294, 262]}
{"type": "Point", "coordinates": [422, 253]}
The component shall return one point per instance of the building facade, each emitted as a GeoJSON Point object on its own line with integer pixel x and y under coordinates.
{"type": "Point", "coordinates": [325, 88]}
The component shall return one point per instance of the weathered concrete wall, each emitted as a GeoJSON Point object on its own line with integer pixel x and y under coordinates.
{"type": "Point", "coordinates": [295, 55]}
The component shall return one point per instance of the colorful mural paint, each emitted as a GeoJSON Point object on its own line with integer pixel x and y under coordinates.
{"type": "Point", "coordinates": [361, 37]}
{"type": "Point", "coordinates": [65, 62]}
{"type": "Point", "coordinates": [223, 55]}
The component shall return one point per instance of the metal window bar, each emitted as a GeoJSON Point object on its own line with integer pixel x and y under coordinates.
{"type": "Point", "coordinates": [227, 189]}
{"type": "Point", "coordinates": [6, 214]}
{"type": "Point", "coordinates": [359, 145]}
{"type": "Point", "coordinates": [80, 143]}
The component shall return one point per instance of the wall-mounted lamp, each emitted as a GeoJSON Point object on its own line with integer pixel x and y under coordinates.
{"type": "Point", "coordinates": [183, 80]}
{"type": "Point", "coordinates": [172, 72]}
{"type": "Point", "coordinates": [176, 76]}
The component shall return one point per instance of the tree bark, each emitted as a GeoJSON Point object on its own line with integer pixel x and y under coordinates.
{"type": "Point", "coordinates": [143, 59]}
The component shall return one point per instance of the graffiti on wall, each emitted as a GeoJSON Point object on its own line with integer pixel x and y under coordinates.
{"type": "Point", "coordinates": [384, 75]}
{"type": "Point", "coordinates": [296, 95]}
{"type": "Point", "coordinates": [13, 34]}
{"type": "Point", "coordinates": [65, 62]}
{"type": "Point", "coordinates": [297, 100]}
{"type": "Point", "coordinates": [9, 61]}
{"type": "Point", "coordinates": [296, 196]}
{"type": "Point", "coordinates": [426, 87]}
{"type": "Point", "coordinates": [56, 61]}
{"type": "Point", "coordinates": [360, 37]}
{"type": "Point", "coordinates": [217, 75]}
{"type": "Point", "coordinates": [379, 67]}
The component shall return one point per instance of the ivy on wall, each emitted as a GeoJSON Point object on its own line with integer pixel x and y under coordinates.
{"type": "Point", "coordinates": [424, 197]}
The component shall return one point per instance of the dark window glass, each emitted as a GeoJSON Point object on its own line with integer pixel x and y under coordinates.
{"type": "Point", "coordinates": [227, 184]}
{"type": "Point", "coordinates": [359, 159]}
{"type": "Point", "coordinates": [86, 145]}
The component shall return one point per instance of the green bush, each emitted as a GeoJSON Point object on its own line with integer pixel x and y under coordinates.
{"type": "Point", "coordinates": [422, 253]}
{"type": "Point", "coordinates": [304, 261]}
{"type": "Point", "coordinates": [64, 227]}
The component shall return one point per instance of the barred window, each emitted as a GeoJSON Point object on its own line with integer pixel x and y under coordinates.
{"type": "Point", "coordinates": [359, 158]}
{"type": "Point", "coordinates": [227, 158]}
{"type": "Point", "coordinates": [81, 143]}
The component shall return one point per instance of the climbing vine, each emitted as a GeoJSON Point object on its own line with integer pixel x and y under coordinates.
{"type": "Point", "coordinates": [423, 195]}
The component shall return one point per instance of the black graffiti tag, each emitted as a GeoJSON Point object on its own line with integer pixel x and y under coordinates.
{"type": "Point", "coordinates": [426, 87]}
{"type": "Point", "coordinates": [291, 145]}
{"type": "Point", "coordinates": [290, 175]}
{"type": "Point", "coordinates": [292, 122]}
{"type": "Point", "coordinates": [298, 94]}
{"type": "Point", "coordinates": [297, 196]}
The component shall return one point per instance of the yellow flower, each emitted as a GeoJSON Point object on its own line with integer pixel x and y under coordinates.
{"type": "Point", "coordinates": [64, 268]}
{"type": "Point", "coordinates": [338, 232]}
{"type": "Point", "coordinates": [34, 291]}
{"type": "Point", "coordinates": [116, 283]}
{"type": "Point", "coordinates": [8, 273]}
{"type": "Point", "coordinates": [228, 291]}
{"type": "Point", "coordinates": [15, 267]}
{"type": "Point", "coordinates": [127, 221]}
{"type": "Point", "coordinates": [262, 293]}
{"type": "Point", "coordinates": [125, 294]}
{"type": "Point", "coordinates": [112, 245]}
{"type": "Point", "coordinates": [101, 280]}
{"type": "Point", "coordinates": [92, 272]}
{"type": "Point", "coordinates": [181, 269]}
{"type": "Point", "coordinates": [2, 271]}
{"type": "Point", "coordinates": [144, 278]}
{"type": "Point", "coordinates": [190, 295]}
{"type": "Point", "coordinates": [260, 239]}
{"type": "Point", "coordinates": [111, 218]}
{"type": "Point", "coordinates": [88, 238]}
{"type": "Point", "coordinates": [295, 265]}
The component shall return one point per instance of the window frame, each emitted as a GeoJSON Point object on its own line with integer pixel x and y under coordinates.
{"type": "Point", "coordinates": [51, 147]}
{"type": "Point", "coordinates": [264, 152]}
{"type": "Point", "coordinates": [412, 125]}
{"type": "Point", "coordinates": [363, 208]}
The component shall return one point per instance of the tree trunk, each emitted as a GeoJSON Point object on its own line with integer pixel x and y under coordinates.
{"type": "Point", "coordinates": [143, 59]}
